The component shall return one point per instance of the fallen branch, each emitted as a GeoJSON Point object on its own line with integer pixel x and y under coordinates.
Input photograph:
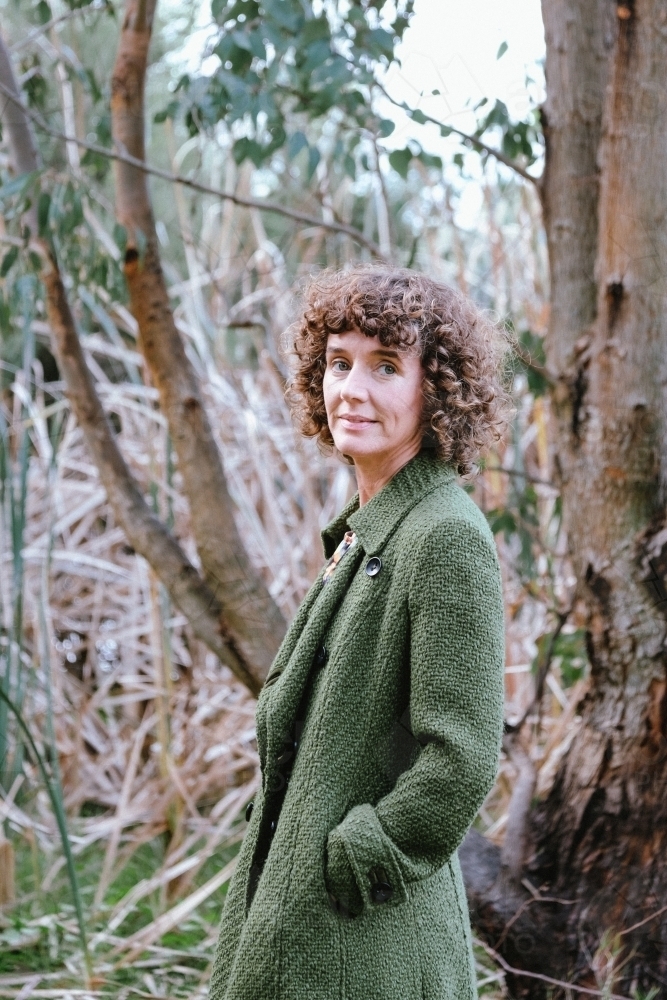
{"type": "Point", "coordinates": [589, 991]}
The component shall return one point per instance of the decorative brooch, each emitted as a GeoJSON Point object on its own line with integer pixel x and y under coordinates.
{"type": "Point", "coordinates": [348, 541]}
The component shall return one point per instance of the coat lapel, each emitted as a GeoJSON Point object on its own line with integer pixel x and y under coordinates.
{"type": "Point", "coordinates": [376, 521]}
{"type": "Point", "coordinates": [284, 701]}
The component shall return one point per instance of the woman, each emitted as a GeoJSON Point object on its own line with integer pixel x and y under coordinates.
{"type": "Point", "coordinates": [380, 722]}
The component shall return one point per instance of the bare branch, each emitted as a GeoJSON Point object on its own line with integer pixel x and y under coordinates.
{"type": "Point", "coordinates": [589, 991]}
{"type": "Point", "coordinates": [519, 475]}
{"type": "Point", "coordinates": [252, 615]}
{"type": "Point", "coordinates": [528, 362]}
{"type": "Point", "coordinates": [472, 139]}
{"type": "Point", "coordinates": [143, 530]}
{"type": "Point", "coordinates": [122, 156]}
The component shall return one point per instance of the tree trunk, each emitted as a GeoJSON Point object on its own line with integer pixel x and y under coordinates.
{"type": "Point", "coordinates": [252, 616]}
{"type": "Point", "coordinates": [192, 594]}
{"type": "Point", "coordinates": [597, 842]}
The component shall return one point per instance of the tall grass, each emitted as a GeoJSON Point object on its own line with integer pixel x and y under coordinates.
{"type": "Point", "coordinates": [14, 463]}
{"type": "Point", "coordinates": [53, 785]}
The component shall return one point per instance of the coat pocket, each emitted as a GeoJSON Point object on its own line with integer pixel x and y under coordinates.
{"type": "Point", "coordinates": [372, 858]}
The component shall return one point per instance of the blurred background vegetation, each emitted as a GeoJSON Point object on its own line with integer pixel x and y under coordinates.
{"type": "Point", "coordinates": [127, 750]}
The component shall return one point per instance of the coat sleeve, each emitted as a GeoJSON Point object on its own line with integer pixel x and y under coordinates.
{"type": "Point", "coordinates": [457, 652]}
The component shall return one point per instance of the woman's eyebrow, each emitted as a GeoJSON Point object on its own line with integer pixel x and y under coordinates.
{"type": "Point", "coordinates": [387, 352]}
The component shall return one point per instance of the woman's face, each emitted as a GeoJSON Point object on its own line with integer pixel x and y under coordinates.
{"type": "Point", "coordinates": [373, 398]}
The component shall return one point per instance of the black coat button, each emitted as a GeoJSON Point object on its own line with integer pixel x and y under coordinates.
{"type": "Point", "coordinates": [272, 827]}
{"type": "Point", "coordinates": [248, 811]}
{"type": "Point", "coordinates": [373, 566]}
{"type": "Point", "coordinates": [381, 892]}
{"type": "Point", "coordinates": [321, 656]}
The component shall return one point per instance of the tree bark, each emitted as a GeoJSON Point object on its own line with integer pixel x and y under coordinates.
{"type": "Point", "coordinates": [252, 616]}
{"type": "Point", "coordinates": [597, 841]}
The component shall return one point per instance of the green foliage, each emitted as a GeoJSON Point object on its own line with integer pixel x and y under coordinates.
{"type": "Point", "coordinates": [35, 84]}
{"type": "Point", "coordinates": [36, 934]}
{"type": "Point", "coordinates": [100, 135]}
{"type": "Point", "coordinates": [54, 788]}
{"type": "Point", "coordinates": [280, 62]}
{"type": "Point", "coordinates": [400, 159]}
{"type": "Point", "coordinates": [520, 140]}
{"type": "Point", "coordinates": [533, 349]}
{"type": "Point", "coordinates": [519, 518]}
{"type": "Point", "coordinates": [8, 261]}
{"type": "Point", "coordinates": [570, 647]}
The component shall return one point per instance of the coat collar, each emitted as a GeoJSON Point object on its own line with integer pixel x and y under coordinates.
{"type": "Point", "coordinates": [377, 519]}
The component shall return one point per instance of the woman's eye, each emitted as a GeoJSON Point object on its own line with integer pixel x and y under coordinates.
{"type": "Point", "coordinates": [339, 366]}
{"type": "Point", "coordinates": [388, 369]}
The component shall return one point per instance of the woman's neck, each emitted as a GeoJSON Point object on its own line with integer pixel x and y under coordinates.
{"type": "Point", "coordinates": [375, 472]}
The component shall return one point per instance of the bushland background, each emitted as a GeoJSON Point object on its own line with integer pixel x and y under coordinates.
{"type": "Point", "coordinates": [160, 518]}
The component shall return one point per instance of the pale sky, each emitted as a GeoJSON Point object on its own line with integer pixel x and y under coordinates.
{"type": "Point", "coordinates": [452, 47]}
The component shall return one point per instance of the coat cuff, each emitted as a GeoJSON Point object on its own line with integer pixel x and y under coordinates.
{"type": "Point", "coordinates": [372, 857]}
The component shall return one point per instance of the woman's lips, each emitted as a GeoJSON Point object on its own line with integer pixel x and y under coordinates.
{"type": "Point", "coordinates": [350, 420]}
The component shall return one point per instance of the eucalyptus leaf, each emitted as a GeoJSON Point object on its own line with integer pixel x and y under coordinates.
{"type": "Point", "coordinates": [399, 159]}
{"type": "Point", "coordinates": [8, 261]}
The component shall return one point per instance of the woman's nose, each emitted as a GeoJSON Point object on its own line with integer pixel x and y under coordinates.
{"type": "Point", "coordinates": [355, 385]}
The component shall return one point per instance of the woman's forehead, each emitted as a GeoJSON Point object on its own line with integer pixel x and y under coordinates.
{"type": "Point", "coordinates": [369, 345]}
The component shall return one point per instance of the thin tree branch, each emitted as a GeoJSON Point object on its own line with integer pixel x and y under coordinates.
{"type": "Point", "coordinates": [519, 475]}
{"type": "Point", "coordinates": [546, 979]}
{"type": "Point", "coordinates": [481, 146]}
{"type": "Point", "coordinates": [45, 28]}
{"type": "Point", "coordinates": [524, 906]}
{"type": "Point", "coordinates": [641, 923]}
{"type": "Point", "coordinates": [542, 673]}
{"type": "Point", "coordinates": [526, 360]}
{"type": "Point", "coordinates": [122, 156]}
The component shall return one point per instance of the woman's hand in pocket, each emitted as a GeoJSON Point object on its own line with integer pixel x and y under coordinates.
{"type": "Point", "coordinates": [342, 889]}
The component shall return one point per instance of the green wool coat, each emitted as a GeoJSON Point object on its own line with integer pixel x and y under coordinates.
{"type": "Point", "coordinates": [390, 683]}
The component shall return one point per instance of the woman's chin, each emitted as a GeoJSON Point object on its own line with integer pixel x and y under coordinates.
{"type": "Point", "coordinates": [357, 450]}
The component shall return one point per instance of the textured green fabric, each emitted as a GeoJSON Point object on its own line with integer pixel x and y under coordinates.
{"type": "Point", "coordinates": [399, 747]}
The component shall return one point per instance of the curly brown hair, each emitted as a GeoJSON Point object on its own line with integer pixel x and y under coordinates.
{"type": "Point", "coordinates": [463, 354]}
